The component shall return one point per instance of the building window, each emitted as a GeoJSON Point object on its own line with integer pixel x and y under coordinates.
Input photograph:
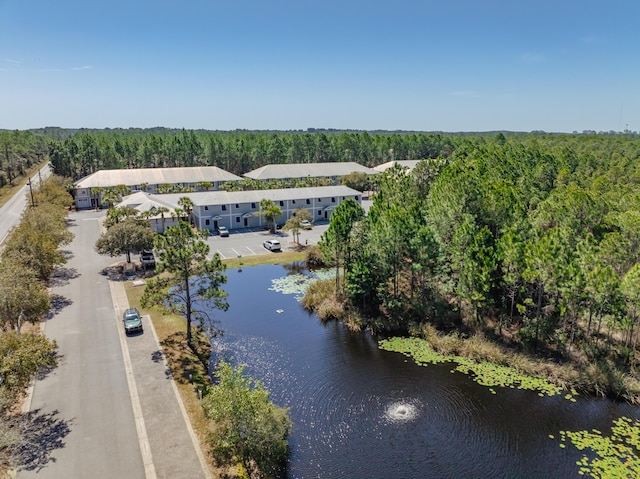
{"type": "Point", "coordinates": [224, 207]}
{"type": "Point", "coordinates": [293, 201]}
{"type": "Point", "coordinates": [281, 203]}
{"type": "Point", "coordinates": [357, 198]}
{"type": "Point", "coordinates": [206, 208]}
{"type": "Point", "coordinates": [308, 201]}
{"type": "Point", "coordinates": [237, 206]}
{"type": "Point", "coordinates": [333, 200]}
{"type": "Point", "coordinates": [319, 200]}
{"type": "Point", "coordinates": [206, 222]}
{"type": "Point", "coordinates": [253, 206]}
{"type": "Point", "coordinates": [319, 212]}
{"type": "Point", "coordinates": [237, 219]}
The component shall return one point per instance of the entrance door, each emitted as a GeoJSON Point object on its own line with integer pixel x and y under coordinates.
{"type": "Point", "coordinates": [246, 222]}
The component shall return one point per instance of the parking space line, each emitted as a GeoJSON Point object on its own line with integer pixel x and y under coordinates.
{"type": "Point", "coordinates": [252, 252]}
{"type": "Point", "coordinates": [221, 255]}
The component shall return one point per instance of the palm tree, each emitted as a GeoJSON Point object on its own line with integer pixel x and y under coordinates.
{"type": "Point", "coordinates": [95, 192]}
{"type": "Point", "coordinates": [187, 205]}
{"type": "Point", "coordinates": [270, 211]}
{"type": "Point", "coordinates": [177, 213]}
{"type": "Point", "coordinates": [162, 210]}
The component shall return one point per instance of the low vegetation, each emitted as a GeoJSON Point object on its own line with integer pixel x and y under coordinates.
{"type": "Point", "coordinates": [495, 373]}
{"type": "Point", "coordinates": [615, 456]}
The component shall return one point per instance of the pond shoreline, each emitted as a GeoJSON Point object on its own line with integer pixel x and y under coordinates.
{"type": "Point", "coordinates": [190, 390]}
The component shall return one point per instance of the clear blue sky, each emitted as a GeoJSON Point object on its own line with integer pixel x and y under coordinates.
{"type": "Point", "coordinates": [454, 65]}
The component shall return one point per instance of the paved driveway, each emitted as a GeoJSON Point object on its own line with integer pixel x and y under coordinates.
{"type": "Point", "coordinates": [110, 409]}
{"type": "Point", "coordinates": [248, 242]}
{"type": "Point", "coordinates": [81, 411]}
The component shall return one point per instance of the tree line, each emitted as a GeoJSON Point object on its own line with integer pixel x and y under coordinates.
{"type": "Point", "coordinates": [237, 152]}
{"type": "Point", "coordinates": [27, 261]}
{"type": "Point", "coordinates": [19, 151]}
{"type": "Point", "coordinates": [534, 240]}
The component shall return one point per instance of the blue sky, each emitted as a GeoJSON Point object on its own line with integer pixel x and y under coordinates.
{"type": "Point", "coordinates": [456, 65]}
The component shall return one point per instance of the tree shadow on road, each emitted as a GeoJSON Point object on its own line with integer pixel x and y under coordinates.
{"type": "Point", "coordinates": [61, 276]}
{"type": "Point", "coordinates": [43, 372]}
{"type": "Point", "coordinates": [57, 303]}
{"type": "Point", "coordinates": [42, 434]}
{"type": "Point", "coordinates": [113, 273]}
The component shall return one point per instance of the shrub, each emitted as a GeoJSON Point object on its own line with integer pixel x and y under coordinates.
{"type": "Point", "coordinates": [247, 427]}
{"type": "Point", "coordinates": [314, 257]}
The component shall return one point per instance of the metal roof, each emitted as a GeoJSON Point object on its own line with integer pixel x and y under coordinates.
{"type": "Point", "coordinates": [155, 176]}
{"type": "Point", "coordinates": [255, 196]}
{"type": "Point", "coordinates": [208, 198]}
{"type": "Point", "coordinates": [303, 170]}
{"type": "Point", "coordinates": [411, 164]}
{"type": "Point", "coordinates": [143, 201]}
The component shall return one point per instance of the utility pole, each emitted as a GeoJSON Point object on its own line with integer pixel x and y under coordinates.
{"type": "Point", "coordinates": [31, 191]}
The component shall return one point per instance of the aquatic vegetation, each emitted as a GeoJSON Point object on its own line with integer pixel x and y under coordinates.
{"type": "Point", "coordinates": [615, 456]}
{"type": "Point", "coordinates": [297, 284]}
{"type": "Point", "coordinates": [484, 373]}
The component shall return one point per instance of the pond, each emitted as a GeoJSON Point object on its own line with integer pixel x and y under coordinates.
{"type": "Point", "coordinates": [360, 412]}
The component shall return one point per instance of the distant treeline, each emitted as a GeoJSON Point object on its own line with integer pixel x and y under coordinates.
{"type": "Point", "coordinates": [237, 152]}
{"type": "Point", "coordinates": [19, 150]}
{"type": "Point", "coordinates": [76, 153]}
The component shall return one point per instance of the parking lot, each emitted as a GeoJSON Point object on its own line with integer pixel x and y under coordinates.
{"type": "Point", "coordinates": [248, 242]}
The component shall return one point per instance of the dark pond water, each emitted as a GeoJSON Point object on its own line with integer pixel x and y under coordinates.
{"type": "Point", "coordinates": [359, 412]}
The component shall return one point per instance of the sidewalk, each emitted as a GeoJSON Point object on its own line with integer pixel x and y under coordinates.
{"type": "Point", "coordinates": [169, 446]}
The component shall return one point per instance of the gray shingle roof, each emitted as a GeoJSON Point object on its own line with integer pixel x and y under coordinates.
{"type": "Point", "coordinates": [303, 170]}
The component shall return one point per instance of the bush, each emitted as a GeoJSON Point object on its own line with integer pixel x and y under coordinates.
{"type": "Point", "coordinates": [314, 257]}
{"type": "Point", "coordinates": [247, 427]}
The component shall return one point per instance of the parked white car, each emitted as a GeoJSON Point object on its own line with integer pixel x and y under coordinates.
{"type": "Point", "coordinates": [272, 245]}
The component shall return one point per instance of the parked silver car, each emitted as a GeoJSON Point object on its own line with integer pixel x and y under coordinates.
{"type": "Point", "coordinates": [132, 321]}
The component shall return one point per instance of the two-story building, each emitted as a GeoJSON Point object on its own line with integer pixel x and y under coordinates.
{"type": "Point", "coordinates": [88, 191]}
{"type": "Point", "coordinates": [241, 209]}
{"type": "Point", "coordinates": [334, 171]}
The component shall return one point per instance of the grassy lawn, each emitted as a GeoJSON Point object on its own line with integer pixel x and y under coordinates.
{"type": "Point", "coordinates": [188, 368]}
{"type": "Point", "coordinates": [269, 258]}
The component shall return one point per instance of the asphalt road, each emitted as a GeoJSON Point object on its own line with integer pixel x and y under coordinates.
{"type": "Point", "coordinates": [82, 421]}
{"type": "Point", "coordinates": [11, 212]}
